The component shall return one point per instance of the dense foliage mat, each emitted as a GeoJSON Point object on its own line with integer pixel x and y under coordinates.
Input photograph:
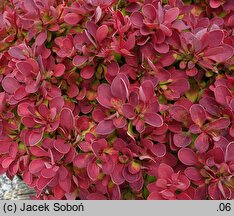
{"type": "Point", "coordinates": [107, 99]}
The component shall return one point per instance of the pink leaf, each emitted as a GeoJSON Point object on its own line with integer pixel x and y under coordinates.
{"type": "Point", "coordinates": [159, 150]}
{"type": "Point", "coordinates": [181, 140]}
{"type": "Point", "coordinates": [164, 171]}
{"type": "Point", "coordinates": [61, 147]}
{"type": "Point", "coordinates": [72, 18]}
{"type": "Point", "coordinates": [40, 39]}
{"type": "Point", "coordinates": [198, 114]}
{"type": "Point", "coordinates": [149, 11]}
{"type": "Point", "coordinates": [10, 84]}
{"type": "Point", "coordinates": [187, 156]}
{"type": "Point", "coordinates": [229, 154]}
{"type": "Point", "coordinates": [153, 119]}
{"type": "Point", "coordinates": [79, 60]}
{"type": "Point", "coordinates": [104, 95]}
{"type": "Point", "coordinates": [36, 166]}
{"type": "Point", "coordinates": [146, 91]}
{"type": "Point", "coordinates": [171, 15]}
{"type": "Point", "coordinates": [202, 143]}
{"type": "Point", "coordinates": [137, 19]}
{"type": "Point", "coordinates": [93, 170]}
{"type": "Point", "coordinates": [87, 72]}
{"type": "Point", "coordinates": [105, 127]}
{"type": "Point", "coordinates": [67, 119]}
{"type": "Point", "coordinates": [221, 93]}
{"type": "Point", "coordinates": [220, 53]}
{"type": "Point", "coordinates": [117, 176]}
{"type": "Point", "coordinates": [101, 33]}
{"type": "Point", "coordinates": [192, 173]}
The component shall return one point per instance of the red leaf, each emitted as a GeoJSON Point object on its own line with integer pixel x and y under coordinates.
{"type": "Point", "coordinates": [198, 114]}
{"type": "Point", "coordinates": [82, 160]}
{"type": "Point", "coordinates": [129, 111]}
{"type": "Point", "coordinates": [61, 147]}
{"type": "Point", "coordinates": [104, 95]}
{"type": "Point", "coordinates": [137, 19]}
{"type": "Point", "coordinates": [10, 84]}
{"type": "Point", "coordinates": [43, 182]}
{"type": "Point", "coordinates": [220, 53]}
{"type": "Point", "coordinates": [67, 119]}
{"type": "Point", "coordinates": [187, 156]}
{"type": "Point", "coordinates": [229, 154]}
{"type": "Point", "coordinates": [36, 166]}
{"type": "Point", "coordinates": [119, 86]}
{"type": "Point", "coordinates": [79, 60]}
{"type": "Point", "coordinates": [149, 11]}
{"type": "Point", "coordinates": [146, 91]}
{"type": "Point", "coordinates": [171, 15]}
{"type": "Point", "coordinates": [40, 39]}
{"type": "Point", "coordinates": [72, 18]}
{"type": "Point", "coordinates": [153, 119]}
{"type": "Point", "coordinates": [117, 176]}
{"type": "Point", "coordinates": [101, 33]}
{"type": "Point", "coordinates": [181, 140]}
{"type": "Point", "coordinates": [164, 171]}
{"type": "Point", "coordinates": [159, 150]}
{"type": "Point", "coordinates": [202, 143]}
{"type": "Point", "coordinates": [192, 173]}
{"type": "Point", "coordinates": [87, 72]}
{"type": "Point", "coordinates": [218, 124]}
{"type": "Point", "coordinates": [221, 93]}
{"type": "Point", "coordinates": [48, 173]}
{"type": "Point", "coordinates": [35, 137]}
{"type": "Point", "coordinates": [93, 170]}
{"type": "Point", "coordinates": [105, 127]}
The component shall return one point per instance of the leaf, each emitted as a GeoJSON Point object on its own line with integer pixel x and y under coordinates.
{"type": "Point", "coordinates": [202, 143]}
{"type": "Point", "coordinates": [221, 93]}
{"type": "Point", "coordinates": [159, 150]}
{"type": "Point", "coordinates": [192, 173]}
{"type": "Point", "coordinates": [93, 170]}
{"type": "Point", "coordinates": [105, 127]}
{"type": "Point", "coordinates": [67, 119]}
{"type": "Point", "coordinates": [117, 176]}
{"type": "Point", "coordinates": [41, 38]}
{"type": "Point", "coordinates": [198, 114]}
{"type": "Point", "coordinates": [137, 19]}
{"type": "Point", "coordinates": [229, 153]}
{"type": "Point", "coordinates": [104, 95]}
{"type": "Point", "coordinates": [187, 156]}
{"type": "Point", "coordinates": [61, 147]}
{"type": "Point", "coordinates": [35, 137]}
{"type": "Point", "coordinates": [181, 140]}
{"type": "Point", "coordinates": [171, 15]}
{"type": "Point", "coordinates": [220, 53]}
{"type": "Point", "coordinates": [164, 171]}
{"type": "Point", "coordinates": [153, 119]}
{"type": "Point", "coordinates": [36, 166]}
{"type": "Point", "coordinates": [102, 33]}
{"type": "Point", "coordinates": [146, 91]}
{"type": "Point", "coordinates": [128, 111]}
{"type": "Point", "coordinates": [10, 84]}
{"type": "Point", "coordinates": [218, 124]}
{"type": "Point", "coordinates": [149, 11]}
{"type": "Point", "coordinates": [72, 18]}
{"type": "Point", "coordinates": [119, 86]}
{"type": "Point", "coordinates": [81, 160]}
{"type": "Point", "coordinates": [48, 173]}
{"type": "Point", "coordinates": [79, 60]}
{"type": "Point", "coordinates": [87, 72]}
